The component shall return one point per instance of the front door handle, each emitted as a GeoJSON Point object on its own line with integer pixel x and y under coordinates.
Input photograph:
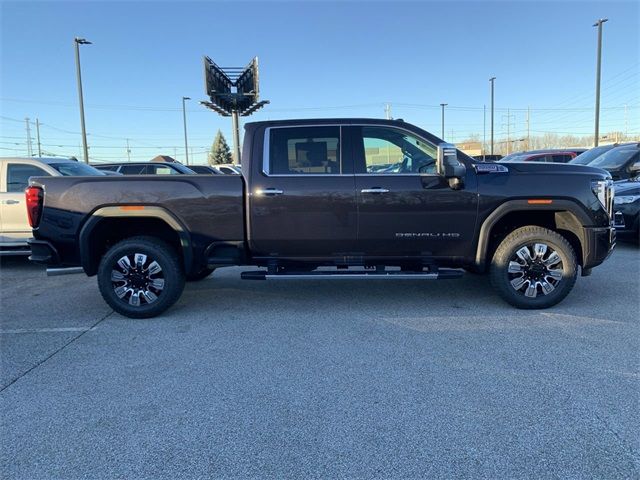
{"type": "Point", "coordinates": [374, 190]}
{"type": "Point", "coordinates": [11, 202]}
{"type": "Point", "coordinates": [270, 191]}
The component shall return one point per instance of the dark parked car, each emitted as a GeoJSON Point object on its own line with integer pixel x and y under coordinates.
{"type": "Point", "coordinates": [204, 170]}
{"type": "Point", "coordinates": [488, 158]}
{"type": "Point", "coordinates": [145, 168]}
{"type": "Point", "coordinates": [309, 197]}
{"type": "Point", "coordinates": [564, 155]}
{"type": "Point", "coordinates": [621, 162]}
{"type": "Point", "coordinates": [626, 204]}
{"type": "Point", "coordinates": [590, 155]}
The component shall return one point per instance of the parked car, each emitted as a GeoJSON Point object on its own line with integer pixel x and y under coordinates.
{"type": "Point", "coordinates": [626, 204]}
{"type": "Point", "coordinates": [146, 168]}
{"type": "Point", "coordinates": [228, 169]}
{"type": "Point", "coordinates": [564, 155]}
{"type": "Point", "coordinates": [204, 170]}
{"type": "Point", "coordinates": [621, 162]}
{"type": "Point", "coordinates": [488, 158]}
{"type": "Point", "coordinates": [14, 178]}
{"type": "Point", "coordinates": [590, 155]}
{"type": "Point", "coordinates": [306, 200]}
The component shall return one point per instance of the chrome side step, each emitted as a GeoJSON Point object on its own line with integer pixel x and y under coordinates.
{"type": "Point", "coordinates": [54, 272]}
{"type": "Point", "coordinates": [442, 274]}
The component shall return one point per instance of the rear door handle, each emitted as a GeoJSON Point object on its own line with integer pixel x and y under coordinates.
{"type": "Point", "coordinates": [374, 190]}
{"type": "Point", "coordinates": [270, 191]}
{"type": "Point", "coordinates": [11, 202]}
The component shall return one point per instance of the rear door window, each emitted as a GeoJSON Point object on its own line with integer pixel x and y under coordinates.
{"type": "Point", "coordinates": [561, 157]}
{"type": "Point", "coordinates": [18, 176]}
{"type": "Point", "coordinates": [304, 151]}
{"type": "Point", "coordinates": [132, 169]}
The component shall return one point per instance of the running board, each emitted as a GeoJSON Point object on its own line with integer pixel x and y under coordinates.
{"type": "Point", "coordinates": [442, 274]}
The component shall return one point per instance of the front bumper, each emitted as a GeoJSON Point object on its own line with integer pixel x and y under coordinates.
{"type": "Point", "coordinates": [599, 243]}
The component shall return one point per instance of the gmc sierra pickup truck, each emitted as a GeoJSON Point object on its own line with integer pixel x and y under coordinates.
{"type": "Point", "coordinates": [330, 199]}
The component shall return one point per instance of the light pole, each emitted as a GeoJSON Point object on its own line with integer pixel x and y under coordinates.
{"type": "Point", "coordinates": [492, 80]}
{"type": "Point", "coordinates": [443, 105]}
{"type": "Point", "coordinates": [598, 64]}
{"type": "Point", "coordinates": [184, 120]}
{"type": "Point", "coordinates": [77, 42]}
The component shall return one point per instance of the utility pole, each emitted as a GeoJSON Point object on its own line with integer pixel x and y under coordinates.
{"type": "Point", "coordinates": [508, 125]}
{"type": "Point", "coordinates": [492, 80]}
{"type": "Point", "coordinates": [29, 149]}
{"type": "Point", "coordinates": [38, 137]}
{"type": "Point", "coordinates": [77, 42]}
{"type": "Point", "coordinates": [484, 131]}
{"type": "Point", "coordinates": [387, 111]}
{"type": "Point", "coordinates": [235, 120]}
{"type": "Point", "coordinates": [528, 130]}
{"type": "Point", "coordinates": [184, 120]}
{"type": "Point", "coordinates": [128, 152]}
{"type": "Point", "coordinates": [442, 105]}
{"type": "Point", "coordinates": [598, 68]}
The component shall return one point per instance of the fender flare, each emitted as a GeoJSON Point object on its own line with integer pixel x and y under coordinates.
{"type": "Point", "coordinates": [133, 211]}
{"type": "Point", "coordinates": [510, 206]}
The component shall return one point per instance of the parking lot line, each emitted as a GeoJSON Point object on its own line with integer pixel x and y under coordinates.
{"type": "Point", "coordinates": [45, 330]}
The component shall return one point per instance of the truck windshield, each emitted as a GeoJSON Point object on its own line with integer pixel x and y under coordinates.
{"type": "Point", "coordinates": [590, 155]}
{"type": "Point", "coordinates": [75, 169]}
{"type": "Point", "coordinates": [614, 158]}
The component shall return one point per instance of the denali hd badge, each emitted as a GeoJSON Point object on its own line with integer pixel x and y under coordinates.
{"type": "Point", "coordinates": [434, 235]}
{"type": "Point", "coordinates": [490, 168]}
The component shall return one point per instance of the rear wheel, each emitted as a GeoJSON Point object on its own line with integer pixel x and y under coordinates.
{"type": "Point", "coordinates": [534, 267]}
{"type": "Point", "coordinates": [140, 277]}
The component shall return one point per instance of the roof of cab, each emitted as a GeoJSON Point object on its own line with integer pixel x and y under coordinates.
{"type": "Point", "coordinates": [47, 160]}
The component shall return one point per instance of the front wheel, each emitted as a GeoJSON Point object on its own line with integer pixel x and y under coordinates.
{"type": "Point", "coordinates": [534, 267]}
{"type": "Point", "coordinates": [140, 277]}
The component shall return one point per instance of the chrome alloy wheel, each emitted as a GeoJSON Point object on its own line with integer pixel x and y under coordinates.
{"type": "Point", "coordinates": [535, 269]}
{"type": "Point", "coordinates": [137, 279]}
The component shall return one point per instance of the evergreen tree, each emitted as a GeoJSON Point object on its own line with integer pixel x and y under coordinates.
{"type": "Point", "coordinates": [220, 151]}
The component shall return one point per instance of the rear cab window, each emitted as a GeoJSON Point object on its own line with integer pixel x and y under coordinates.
{"type": "Point", "coordinates": [18, 175]}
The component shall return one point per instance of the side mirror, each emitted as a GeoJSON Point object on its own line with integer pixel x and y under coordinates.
{"type": "Point", "coordinates": [449, 167]}
{"type": "Point", "coordinates": [634, 170]}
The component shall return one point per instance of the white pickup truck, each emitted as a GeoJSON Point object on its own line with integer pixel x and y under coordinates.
{"type": "Point", "coordinates": [14, 178]}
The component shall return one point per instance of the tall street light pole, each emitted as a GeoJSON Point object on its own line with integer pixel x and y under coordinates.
{"type": "Point", "coordinates": [598, 65]}
{"type": "Point", "coordinates": [443, 105]}
{"type": "Point", "coordinates": [77, 42]}
{"type": "Point", "coordinates": [184, 120]}
{"type": "Point", "coordinates": [492, 80]}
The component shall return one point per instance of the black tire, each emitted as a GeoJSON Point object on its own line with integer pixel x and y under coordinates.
{"type": "Point", "coordinates": [545, 280]}
{"type": "Point", "coordinates": [156, 290]}
{"type": "Point", "coordinates": [200, 275]}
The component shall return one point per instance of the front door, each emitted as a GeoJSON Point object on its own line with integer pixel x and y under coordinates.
{"type": "Point", "coordinates": [404, 208]}
{"type": "Point", "coordinates": [13, 210]}
{"type": "Point", "coordinates": [302, 198]}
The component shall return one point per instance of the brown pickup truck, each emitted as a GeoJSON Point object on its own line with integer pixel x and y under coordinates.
{"type": "Point", "coordinates": [374, 199]}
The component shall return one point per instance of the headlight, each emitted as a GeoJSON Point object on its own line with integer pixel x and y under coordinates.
{"type": "Point", "coordinates": [621, 200]}
{"type": "Point", "coordinates": [604, 191]}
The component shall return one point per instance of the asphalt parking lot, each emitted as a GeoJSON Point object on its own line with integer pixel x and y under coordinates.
{"type": "Point", "coordinates": [353, 379]}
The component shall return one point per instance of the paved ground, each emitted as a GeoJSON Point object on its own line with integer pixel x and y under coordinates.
{"type": "Point", "coordinates": [318, 379]}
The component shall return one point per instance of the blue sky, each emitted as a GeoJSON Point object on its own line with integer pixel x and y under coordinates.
{"type": "Point", "coordinates": [317, 59]}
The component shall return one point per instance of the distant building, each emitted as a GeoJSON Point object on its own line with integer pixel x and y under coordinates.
{"type": "Point", "coordinates": [164, 159]}
{"type": "Point", "coordinates": [470, 148]}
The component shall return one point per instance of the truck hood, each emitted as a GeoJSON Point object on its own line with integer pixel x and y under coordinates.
{"type": "Point", "coordinates": [555, 169]}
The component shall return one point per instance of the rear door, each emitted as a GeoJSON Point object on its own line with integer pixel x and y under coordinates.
{"type": "Point", "coordinates": [13, 211]}
{"type": "Point", "coordinates": [404, 208]}
{"type": "Point", "coordinates": [302, 199]}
